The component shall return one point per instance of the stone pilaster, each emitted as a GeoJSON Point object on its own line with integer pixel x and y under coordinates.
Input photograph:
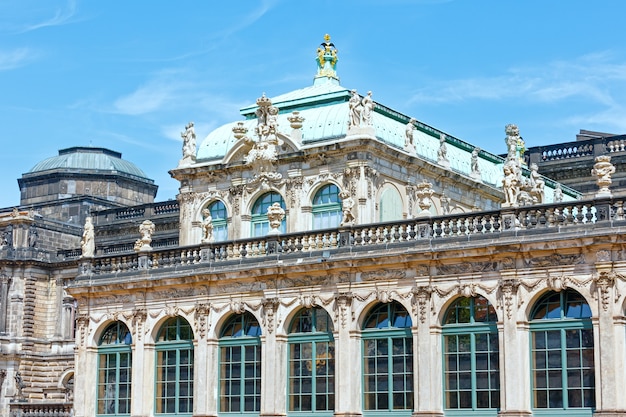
{"type": "Point", "coordinates": [347, 370]}
{"type": "Point", "coordinates": [514, 353]}
{"type": "Point", "coordinates": [139, 391]}
{"type": "Point", "coordinates": [427, 371]}
{"type": "Point", "coordinates": [273, 360]}
{"type": "Point", "coordinates": [608, 348]}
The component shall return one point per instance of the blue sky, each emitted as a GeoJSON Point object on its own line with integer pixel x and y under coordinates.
{"type": "Point", "coordinates": [128, 75]}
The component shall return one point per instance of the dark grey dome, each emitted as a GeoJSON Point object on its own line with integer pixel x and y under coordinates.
{"type": "Point", "coordinates": [88, 159]}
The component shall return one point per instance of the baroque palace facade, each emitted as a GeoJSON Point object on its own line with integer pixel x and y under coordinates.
{"type": "Point", "coordinates": [327, 255]}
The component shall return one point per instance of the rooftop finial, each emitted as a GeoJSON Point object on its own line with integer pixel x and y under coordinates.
{"type": "Point", "coordinates": [326, 61]}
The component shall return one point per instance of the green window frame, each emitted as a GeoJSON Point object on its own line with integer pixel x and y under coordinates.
{"type": "Point", "coordinates": [240, 366]}
{"type": "Point", "coordinates": [114, 371]}
{"type": "Point", "coordinates": [219, 214]}
{"type": "Point", "coordinates": [260, 223]}
{"type": "Point", "coordinates": [562, 355]}
{"type": "Point", "coordinates": [174, 368]}
{"type": "Point", "coordinates": [327, 212]}
{"type": "Point", "coordinates": [471, 362]}
{"type": "Point", "coordinates": [387, 360]}
{"type": "Point", "coordinates": [311, 353]}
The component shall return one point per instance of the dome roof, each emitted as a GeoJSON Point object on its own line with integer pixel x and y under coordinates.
{"type": "Point", "coordinates": [88, 159]}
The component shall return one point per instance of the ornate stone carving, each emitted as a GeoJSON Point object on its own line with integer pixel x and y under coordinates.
{"type": "Point", "coordinates": [384, 295]}
{"type": "Point", "coordinates": [602, 170]}
{"type": "Point", "coordinates": [421, 298]}
{"type": "Point", "coordinates": [557, 282]}
{"type": "Point", "coordinates": [603, 256]}
{"type": "Point", "coordinates": [555, 260]}
{"type": "Point", "coordinates": [343, 307]}
{"type": "Point", "coordinates": [275, 215]}
{"type": "Point", "coordinates": [201, 314]}
{"type": "Point", "coordinates": [237, 306]}
{"type": "Point", "coordinates": [146, 229]}
{"type": "Point", "coordinates": [294, 189]}
{"type": "Point", "coordinates": [308, 300]}
{"type": "Point", "coordinates": [383, 275]}
{"type": "Point", "coordinates": [424, 195]}
{"type": "Point", "coordinates": [270, 307]}
{"type": "Point", "coordinates": [239, 131]}
{"type": "Point", "coordinates": [508, 290]}
{"type": "Point", "coordinates": [82, 322]}
{"type": "Point", "coordinates": [604, 282]}
{"type": "Point", "coordinates": [234, 197]}
{"type": "Point", "coordinates": [264, 152]}
{"type": "Point", "coordinates": [295, 120]}
{"type": "Point", "coordinates": [138, 319]}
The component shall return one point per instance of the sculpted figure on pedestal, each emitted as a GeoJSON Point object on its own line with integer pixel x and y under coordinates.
{"type": "Point", "coordinates": [354, 104]}
{"type": "Point", "coordinates": [207, 226]}
{"type": "Point", "coordinates": [189, 144]}
{"type": "Point", "coordinates": [368, 107]}
{"type": "Point", "coordinates": [409, 130]}
{"type": "Point", "coordinates": [87, 243]}
{"type": "Point", "coordinates": [347, 204]}
{"type": "Point", "coordinates": [511, 186]}
{"type": "Point", "coordinates": [146, 229]}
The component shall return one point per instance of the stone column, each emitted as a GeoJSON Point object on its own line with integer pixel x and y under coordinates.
{"type": "Point", "coordinates": [514, 353]}
{"type": "Point", "coordinates": [273, 360]}
{"type": "Point", "coordinates": [608, 349]}
{"type": "Point", "coordinates": [347, 370]}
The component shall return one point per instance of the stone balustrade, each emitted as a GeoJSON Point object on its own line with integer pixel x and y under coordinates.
{"type": "Point", "coordinates": [41, 410]}
{"type": "Point", "coordinates": [551, 218]}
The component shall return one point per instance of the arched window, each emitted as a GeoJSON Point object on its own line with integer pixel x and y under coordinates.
{"type": "Point", "coordinates": [562, 352]}
{"type": "Point", "coordinates": [327, 208]}
{"type": "Point", "coordinates": [390, 205]}
{"type": "Point", "coordinates": [260, 222]}
{"type": "Point", "coordinates": [471, 356]}
{"type": "Point", "coordinates": [114, 370]}
{"type": "Point", "coordinates": [312, 362]}
{"type": "Point", "coordinates": [240, 365]}
{"type": "Point", "coordinates": [388, 359]}
{"type": "Point", "coordinates": [219, 216]}
{"type": "Point", "coordinates": [174, 368]}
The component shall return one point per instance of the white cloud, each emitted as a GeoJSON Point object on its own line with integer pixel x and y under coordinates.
{"type": "Point", "coordinates": [62, 15]}
{"type": "Point", "coordinates": [587, 77]}
{"type": "Point", "coordinates": [15, 58]}
{"type": "Point", "coordinates": [146, 99]}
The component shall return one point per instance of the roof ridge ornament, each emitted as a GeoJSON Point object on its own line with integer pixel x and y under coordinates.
{"type": "Point", "coordinates": [326, 61]}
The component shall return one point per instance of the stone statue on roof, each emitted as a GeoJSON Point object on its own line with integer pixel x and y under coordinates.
{"type": "Point", "coordinates": [326, 59]}
{"type": "Point", "coordinates": [189, 145]}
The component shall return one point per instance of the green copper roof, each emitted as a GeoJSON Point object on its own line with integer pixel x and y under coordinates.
{"type": "Point", "coordinates": [89, 159]}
